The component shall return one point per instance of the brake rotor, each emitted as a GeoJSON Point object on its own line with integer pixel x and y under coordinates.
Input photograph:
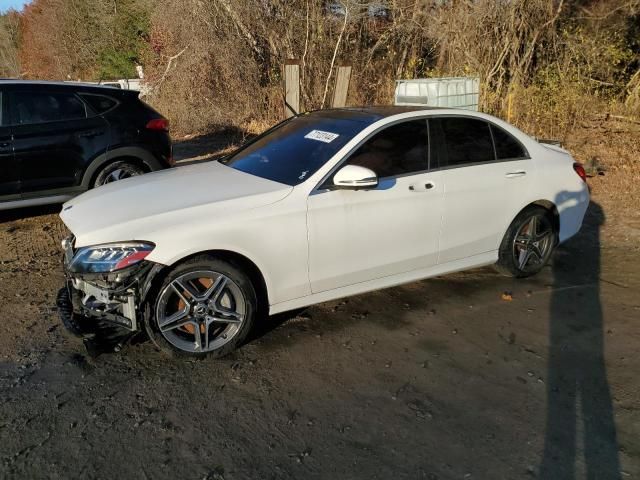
{"type": "Point", "coordinates": [189, 328]}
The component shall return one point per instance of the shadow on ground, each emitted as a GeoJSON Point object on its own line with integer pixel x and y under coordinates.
{"type": "Point", "coordinates": [579, 406]}
{"type": "Point", "coordinates": [29, 212]}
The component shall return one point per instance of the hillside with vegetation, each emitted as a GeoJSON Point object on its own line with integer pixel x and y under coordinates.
{"type": "Point", "coordinates": [218, 63]}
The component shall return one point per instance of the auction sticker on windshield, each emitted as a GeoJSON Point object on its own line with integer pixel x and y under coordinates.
{"type": "Point", "coordinates": [319, 135]}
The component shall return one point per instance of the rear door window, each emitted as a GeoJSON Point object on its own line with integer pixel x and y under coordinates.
{"type": "Point", "coordinates": [467, 140]}
{"type": "Point", "coordinates": [38, 107]}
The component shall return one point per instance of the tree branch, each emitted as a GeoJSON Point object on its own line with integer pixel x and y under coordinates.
{"type": "Point", "coordinates": [335, 53]}
{"type": "Point", "coordinates": [169, 65]}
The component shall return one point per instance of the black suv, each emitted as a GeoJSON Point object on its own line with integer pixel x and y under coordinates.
{"type": "Point", "coordinates": [60, 139]}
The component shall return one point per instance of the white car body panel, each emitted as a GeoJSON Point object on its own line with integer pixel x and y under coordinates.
{"type": "Point", "coordinates": [165, 201]}
{"type": "Point", "coordinates": [353, 235]}
{"type": "Point", "coordinates": [313, 246]}
{"type": "Point", "coordinates": [479, 206]}
{"type": "Point", "coordinates": [386, 282]}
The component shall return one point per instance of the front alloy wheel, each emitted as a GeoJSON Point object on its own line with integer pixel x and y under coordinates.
{"type": "Point", "coordinates": [204, 307]}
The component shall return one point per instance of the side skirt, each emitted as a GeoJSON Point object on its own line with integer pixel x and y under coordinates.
{"type": "Point", "coordinates": [34, 202]}
{"type": "Point", "coordinates": [480, 260]}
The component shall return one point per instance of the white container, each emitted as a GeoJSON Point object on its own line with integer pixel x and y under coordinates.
{"type": "Point", "coordinates": [450, 92]}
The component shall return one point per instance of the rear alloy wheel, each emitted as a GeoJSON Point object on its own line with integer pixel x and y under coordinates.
{"type": "Point", "coordinates": [204, 307]}
{"type": "Point", "coordinates": [528, 243]}
{"type": "Point", "coordinates": [117, 171]}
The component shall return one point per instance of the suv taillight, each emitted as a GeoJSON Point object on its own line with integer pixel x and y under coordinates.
{"type": "Point", "coordinates": [580, 171]}
{"type": "Point", "coordinates": [158, 124]}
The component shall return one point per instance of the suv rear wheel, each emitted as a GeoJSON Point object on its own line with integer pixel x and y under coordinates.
{"type": "Point", "coordinates": [117, 171]}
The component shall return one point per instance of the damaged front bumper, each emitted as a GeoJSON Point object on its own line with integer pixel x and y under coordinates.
{"type": "Point", "coordinates": [115, 297]}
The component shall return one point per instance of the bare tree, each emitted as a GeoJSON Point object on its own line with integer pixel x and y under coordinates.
{"type": "Point", "coordinates": [9, 31]}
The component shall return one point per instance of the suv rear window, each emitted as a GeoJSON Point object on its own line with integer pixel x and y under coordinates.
{"type": "Point", "coordinates": [99, 103]}
{"type": "Point", "coordinates": [29, 108]}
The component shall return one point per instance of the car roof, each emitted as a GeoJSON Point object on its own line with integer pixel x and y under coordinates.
{"type": "Point", "coordinates": [47, 84]}
{"type": "Point", "coordinates": [367, 115]}
{"type": "Point", "coordinates": [16, 81]}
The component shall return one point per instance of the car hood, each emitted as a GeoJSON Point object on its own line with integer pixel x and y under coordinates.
{"type": "Point", "coordinates": [135, 208]}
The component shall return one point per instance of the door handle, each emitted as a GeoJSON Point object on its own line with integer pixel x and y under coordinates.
{"type": "Point", "coordinates": [517, 174]}
{"type": "Point", "coordinates": [5, 144]}
{"type": "Point", "coordinates": [417, 187]}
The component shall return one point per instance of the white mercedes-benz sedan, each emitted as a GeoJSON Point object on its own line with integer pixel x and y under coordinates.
{"type": "Point", "coordinates": [324, 205]}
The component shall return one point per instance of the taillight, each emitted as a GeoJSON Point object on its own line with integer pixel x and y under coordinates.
{"type": "Point", "coordinates": [580, 171]}
{"type": "Point", "coordinates": [158, 124]}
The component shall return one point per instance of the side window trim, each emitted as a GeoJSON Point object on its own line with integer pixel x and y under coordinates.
{"type": "Point", "coordinates": [437, 145]}
{"type": "Point", "coordinates": [426, 120]}
{"type": "Point", "coordinates": [319, 188]}
{"type": "Point", "coordinates": [84, 104]}
{"type": "Point", "coordinates": [493, 142]}
{"type": "Point", "coordinates": [9, 108]}
{"type": "Point", "coordinates": [444, 154]}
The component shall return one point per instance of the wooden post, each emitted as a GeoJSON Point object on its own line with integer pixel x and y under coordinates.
{"type": "Point", "coordinates": [509, 106]}
{"type": "Point", "coordinates": [342, 87]}
{"type": "Point", "coordinates": [291, 88]}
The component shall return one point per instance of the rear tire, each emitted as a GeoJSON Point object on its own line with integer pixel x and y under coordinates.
{"type": "Point", "coordinates": [204, 307]}
{"type": "Point", "coordinates": [117, 171]}
{"type": "Point", "coordinates": [528, 243]}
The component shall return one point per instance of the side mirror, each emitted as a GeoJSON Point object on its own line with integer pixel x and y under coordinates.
{"type": "Point", "coordinates": [355, 177]}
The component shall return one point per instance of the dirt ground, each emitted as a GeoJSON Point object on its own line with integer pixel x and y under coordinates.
{"type": "Point", "coordinates": [440, 379]}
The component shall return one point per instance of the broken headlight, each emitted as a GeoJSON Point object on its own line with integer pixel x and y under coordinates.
{"type": "Point", "coordinates": [109, 257]}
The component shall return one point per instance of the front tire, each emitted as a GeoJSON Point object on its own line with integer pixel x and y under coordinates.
{"type": "Point", "coordinates": [528, 243]}
{"type": "Point", "coordinates": [204, 307]}
{"type": "Point", "coordinates": [77, 325]}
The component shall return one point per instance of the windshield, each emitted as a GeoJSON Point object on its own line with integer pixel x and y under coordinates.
{"type": "Point", "coordinates": [294, 150]}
